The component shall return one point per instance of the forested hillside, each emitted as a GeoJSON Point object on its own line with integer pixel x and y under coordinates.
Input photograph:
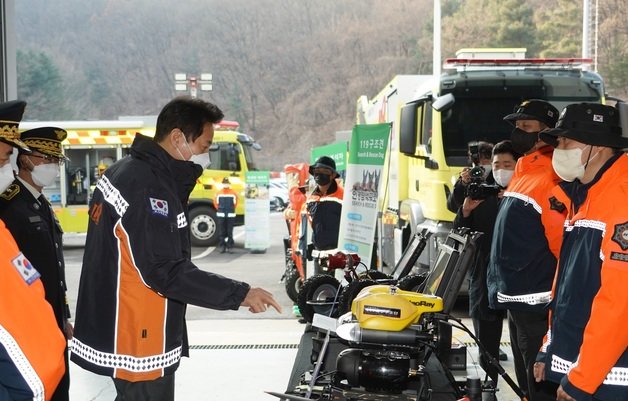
{"type": "Point", "coordinates": [290, 71]}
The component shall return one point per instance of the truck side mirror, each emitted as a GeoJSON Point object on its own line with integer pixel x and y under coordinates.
{"type": "Point", "coordinates": [443, 103]}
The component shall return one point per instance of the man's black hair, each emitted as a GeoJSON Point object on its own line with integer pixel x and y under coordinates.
{"type": "Point", "coordinates": [505, 147]}
{"type": "Point", "coordinates": [187, 114]}
{"type": "Point", "coordinates": [485, 150]}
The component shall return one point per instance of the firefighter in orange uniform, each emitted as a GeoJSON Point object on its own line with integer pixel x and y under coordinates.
{"type": "Point", "coordinates": [31, 345]}
{"type": "Point", "coordinates": [225, 202]}
{"type": "Point", "coordinates": [297, 178]}
{"type": "Point", "coordinates": [586, 348]}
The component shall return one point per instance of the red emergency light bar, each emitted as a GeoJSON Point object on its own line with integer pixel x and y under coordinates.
{"type": "Point", "coordinates": [523, 62]}
{"type": "Point", "coordinates": [227, 125]}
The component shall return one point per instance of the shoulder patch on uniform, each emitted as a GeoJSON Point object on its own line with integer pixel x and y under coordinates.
{"type": "Point", "coordinates": [25, 269]}
{"type": "Point", "coordinates": [620, 256]}
{"type": "Point", "coordinates": [10, 192]}
{"type": "Point", "coordinates": [159, 207]}
{"type": "Point", "coordinates": [557, 205]}
{"type": "Point", "coordinates": [620, 235]}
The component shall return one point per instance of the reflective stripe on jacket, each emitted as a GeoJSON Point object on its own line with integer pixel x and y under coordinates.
{"type": "Point", "coordinates": [589, 339]}
{"type": "Point", "coordinates": [137, 276]}
{"type": "Point", "coordinates": [31, 345]}
{"type": "Point", "coordinates": [527, 237]}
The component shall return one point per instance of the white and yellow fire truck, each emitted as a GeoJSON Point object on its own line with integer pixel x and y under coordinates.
{"type": "Point", "coordinates": [92, 146]}
{"type": "Point", "coordinates": [434, 119]}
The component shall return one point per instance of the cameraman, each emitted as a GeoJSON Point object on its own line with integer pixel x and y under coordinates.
{"type": "Point", "coordinates": [480, 154]}
{"type": "Point", "coordinates": [478, 212]}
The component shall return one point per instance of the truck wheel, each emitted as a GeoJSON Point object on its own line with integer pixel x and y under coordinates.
{"type": "Point", "coordinates": [350, 292]}
{"type": "Point", "coordinates": [203, 226]}
{"type": "Point", "coordinates": [320, 287]}
{"type": "Point", "coordinates": [293, 284]}
{"type": "Point", "coordinates": [415, 283]}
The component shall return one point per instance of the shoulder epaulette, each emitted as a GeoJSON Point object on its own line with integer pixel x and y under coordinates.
{"type": "Point", "coordinates": [10, 192]}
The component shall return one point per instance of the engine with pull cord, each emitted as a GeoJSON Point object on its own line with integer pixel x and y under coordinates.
{"type": "Point", "coordinates": [394, 344]}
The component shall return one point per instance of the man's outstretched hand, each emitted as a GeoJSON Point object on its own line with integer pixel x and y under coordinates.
{"type": "Point", "coordinates": [258, 300]}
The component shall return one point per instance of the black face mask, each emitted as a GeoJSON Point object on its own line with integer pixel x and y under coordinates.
{"type": "Point", "coordinates": [322, 179]}
{"type": "Point", "coordinates": [523, 141]}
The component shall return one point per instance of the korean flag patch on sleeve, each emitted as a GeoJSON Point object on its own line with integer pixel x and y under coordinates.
{"type": "Point", "coordinates": [159, 207]}
{"type": "Point", "coordinates": [25, 269]}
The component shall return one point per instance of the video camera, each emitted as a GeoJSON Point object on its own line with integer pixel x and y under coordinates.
{"type": "Point", "coordinates": [478, 189]}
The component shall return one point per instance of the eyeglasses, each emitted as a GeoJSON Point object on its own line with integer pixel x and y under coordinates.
{"type": "Point", "coordinates": [50, 159]}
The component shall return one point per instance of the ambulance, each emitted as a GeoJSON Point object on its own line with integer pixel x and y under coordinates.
{"type": "Point", "coordinates": [92, 146]}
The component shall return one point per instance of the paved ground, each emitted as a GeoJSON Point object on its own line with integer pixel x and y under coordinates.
{"type": "Point", "coordinates": [238, 360]}
{"type": "Point", "coordinates": [235, 355]}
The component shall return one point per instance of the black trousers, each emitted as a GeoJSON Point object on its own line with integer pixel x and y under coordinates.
{"type": "Point", "coordinates": [161, 389]}
{"type": "Point", "coordinates": [489, 332]}
{"type": "Point", "coordinates": [226, 231]}
{"type": "Point", "coordinates": [527, 330]}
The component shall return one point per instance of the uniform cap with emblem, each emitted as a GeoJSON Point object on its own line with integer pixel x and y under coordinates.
{"type": "Point", "coordinates": [589, 123]}
{"type": "Point", "coordinates": [10, 117]}
{"type": "Point", "coordinates": [534, 109]}
{"type": "Point", "coordinates": [46, 140]}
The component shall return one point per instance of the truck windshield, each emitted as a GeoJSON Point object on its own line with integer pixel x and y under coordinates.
{"type": "Point", "coordinates": [479, 110]}
{"type": "Point", "coordinates": [248, 155]}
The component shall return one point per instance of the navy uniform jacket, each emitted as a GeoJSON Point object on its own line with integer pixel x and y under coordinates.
{"type": "Point", "coordinates": [137, 276]}
{"type": "Point", "coordinates": [39, 236]}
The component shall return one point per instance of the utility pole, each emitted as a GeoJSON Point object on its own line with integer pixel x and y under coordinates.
{"type": "Point", "coordinates": [8, 69]}
{"type": "Point", "coordinates": [181, 82]}
{"type": "Point", "coordinates": [590, 30]}
{"type": "Point", "coordinates": [436, 56]}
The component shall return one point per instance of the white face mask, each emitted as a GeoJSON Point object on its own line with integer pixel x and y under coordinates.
{"type": "Point", "coordinates": [502, 177]}
{"type": "Point", "coordinates": [6, 176]}
{"type": "Point", "coordinates": [202, 160]}
{"type": "Point", "coordinates": [45, 174]}
{"type": "Point", "coordinates": [567, 164]}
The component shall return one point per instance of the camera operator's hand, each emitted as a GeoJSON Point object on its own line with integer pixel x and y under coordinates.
{"type": "Point", "coordinates": [258, 300]}
{"type": "Point", "coordinates": [469, 204]}
{"type": "Point", "coordinates": [465, 177]}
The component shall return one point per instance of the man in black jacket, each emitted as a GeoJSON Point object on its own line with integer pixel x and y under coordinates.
{"type": "Point", "coordinates": [479, 215]}
{"type": "Point", "coordinates": [137, 276]}
{"type": "Point", "coordinates": [29, 217]}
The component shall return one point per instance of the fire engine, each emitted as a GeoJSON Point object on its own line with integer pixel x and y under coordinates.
{"type": "Point", "coordinates": [92, 146]}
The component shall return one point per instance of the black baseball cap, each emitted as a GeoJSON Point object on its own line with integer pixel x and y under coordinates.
{"type": "Point", "coordinates": [589, 123]}
{"type": "Point", "coordinates": [534, 109]}
{"type": "Point", "coordinates": [323, 162]}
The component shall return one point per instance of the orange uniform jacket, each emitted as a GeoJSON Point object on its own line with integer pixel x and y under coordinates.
{"type": "Point", "coordinates": [31, 344]}
{"type": "Point", "coordinates": [586, 349]}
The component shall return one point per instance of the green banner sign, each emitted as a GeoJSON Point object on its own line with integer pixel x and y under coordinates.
{"type": "Point", "coordinates": [336, 150]}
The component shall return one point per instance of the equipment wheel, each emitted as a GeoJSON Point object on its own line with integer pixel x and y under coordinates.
{"type": "Point", "coordinates": [293, 284]}
{"type": "Point", "coordinates": [203, 226]}
{"type": "Point", "coordinates": [320, 287]}
{"type": "Point", "coordinates": [350, 292]}
{"type": "Point", "coordinates": [413, 282]}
